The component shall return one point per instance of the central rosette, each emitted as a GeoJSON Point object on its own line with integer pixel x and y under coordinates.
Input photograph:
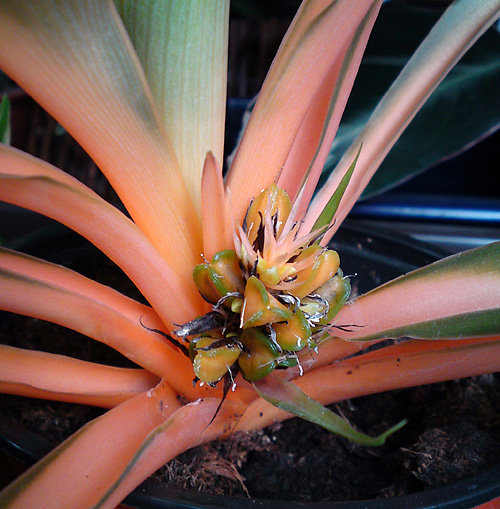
{"type": "Point", "coordinates": [273, 295]}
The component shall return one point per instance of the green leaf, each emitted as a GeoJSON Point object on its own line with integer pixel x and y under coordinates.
{"type": "Point", "coordinates": [182, 46]}
{"type": "Point", "coordinates": [288, 397]}
{"type": "Point", "coordinates": [462, 110]}
{"type": "Point", "coordinates": [331, 207]}
{"type": "Point", "coordinates": [5, 120]}
{"type": "Point", "coordinates": [480, 323]}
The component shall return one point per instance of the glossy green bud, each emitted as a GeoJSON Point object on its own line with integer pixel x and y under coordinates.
{"type": "Point", "coordinates": [204, 277]}
{"type": "Point", "coordinates": [212, 362]}
{"type": "Point", "coordinates": [293, 335]}
{"type": "Point", "coordinates": [287, 362]}
{"type": "Point", "coordinates": [335, 292]}
{"type": "Point", "coordinates": [260, 307]}
{"type": "Point", "coordinates": [221, 276]}
{"type": "Point", "coordinates": [259, 355]}
{"type": "Point", "coordinates": [227, 266]}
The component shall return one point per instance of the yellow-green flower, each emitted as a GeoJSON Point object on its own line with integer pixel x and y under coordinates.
{"type": "Point", "coordinates": [271, 297]}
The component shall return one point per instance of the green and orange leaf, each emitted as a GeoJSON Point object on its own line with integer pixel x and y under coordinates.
{"type": "Point", "coordinates": [405, 365]}
{"type": "Point", "coordinates": [182, 46]}
{"type": "Point", "coordinates": [191, 425]}
{"type": "Point", "coordinates": [289, 398]}
{"type": "Point", "coordinates": [76, 60]}
{"type": "Point", "coordinates": [81, 470]}
{"type": "Point", "coordinates": [457, 297]}
{"type": "Point", "coordinates": [460, 26]}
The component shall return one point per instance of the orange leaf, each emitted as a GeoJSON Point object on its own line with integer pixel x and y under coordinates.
{"type": "Point", "coordinates": [215, 218]}
{"type": "Point", "coordinates": [76, 60]}
{"type": "Point", "coordinates": [406, 365]}
{"type": "Point", "coordinates": [42, 290]}
{"type": "Point", "coordinates": [189, 426]}
{"type": "Point", "coordinates": [83, 467]}
{"type": "Point", "coordinates": [58, 378]}
{"type": "Point", "coordinates": [36, 185]}
{"type": "Point", "coordinates": [313, 142]}
{"type": "Point", "coordinates": [315, 41]}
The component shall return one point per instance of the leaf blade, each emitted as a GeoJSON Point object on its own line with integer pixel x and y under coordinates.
{"type": "Point", "coordinates": [76, 60]}
{"type": "Point", "coordinates": [456, 296]}
{"type": "Point", "coordinates": [319, 127]}
{"type": "Point", "coordinates": [59, 378]}
{"type": "Point", "coordinates": [215, 217]}
{"type": "Point", "coordinates": [5, 120]}
{"type": "Point", "coordinates": [31, 183]}
{"type": "Point", "coordinates": [182, 46]}
{"type": "Point", "coordinates": [191, 425]}
{"type": "Point", "coordinates": [407, 364]}
{"type": "Point", "coordinates": [288, 397]}
{"type": "Point", "coordinates": [328, 213]}
{"type": "Point", "coordinates": [448, 123]}
{"type": "Point", "coordinates": [51, 292]}
{"type": "Point", "coordinates": [459, 27]}
{"type": "Point", "coordinates": [79, 470]}
{"type": "Point", "coordinates": [298, 72]}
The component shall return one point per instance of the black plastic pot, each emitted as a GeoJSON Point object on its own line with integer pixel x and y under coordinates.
{"type": "Point", "coordinates": [377, 256]}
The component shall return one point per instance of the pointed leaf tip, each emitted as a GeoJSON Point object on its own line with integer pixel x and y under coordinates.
{"type": "Point", "coordinates": [331, 207]}
{"type": "Point", "coordinates": [5, 120]}
{"type": "Point", "coordinates": [215, 214]}
{"type": "Point", "coordinates": [288, 397]}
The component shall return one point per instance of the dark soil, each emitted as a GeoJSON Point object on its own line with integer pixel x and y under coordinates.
{"type": "Point", "coordinates": [453, 433]}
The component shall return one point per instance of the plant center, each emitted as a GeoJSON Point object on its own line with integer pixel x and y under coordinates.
{"type": "Point", "coordinates": [273, 296]}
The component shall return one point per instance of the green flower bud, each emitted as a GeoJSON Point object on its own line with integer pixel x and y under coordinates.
{"type": "Point", "coordinates": [260, 307]}
{"type": "Point", "coordinates": [293, 335]}
{"type": "Point", "coordinates": [259, 355]}
{"type": "Point", "coordinates": [219, 278]}
{"type": "Point", "coordinates": [211, 359]}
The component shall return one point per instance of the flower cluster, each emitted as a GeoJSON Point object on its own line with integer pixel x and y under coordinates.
{"type": "Point", "coordinates": [272, 296]}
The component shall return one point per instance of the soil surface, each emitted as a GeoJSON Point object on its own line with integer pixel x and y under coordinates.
{"type": "Point", "coordinates": [453, 432]}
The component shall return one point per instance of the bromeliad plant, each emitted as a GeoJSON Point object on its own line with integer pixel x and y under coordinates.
{"type": "Point", "coordinates": [245, 296]}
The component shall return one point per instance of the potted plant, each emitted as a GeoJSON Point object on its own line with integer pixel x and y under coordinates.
{"type": "Point", "coordinates": [240, 280]}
